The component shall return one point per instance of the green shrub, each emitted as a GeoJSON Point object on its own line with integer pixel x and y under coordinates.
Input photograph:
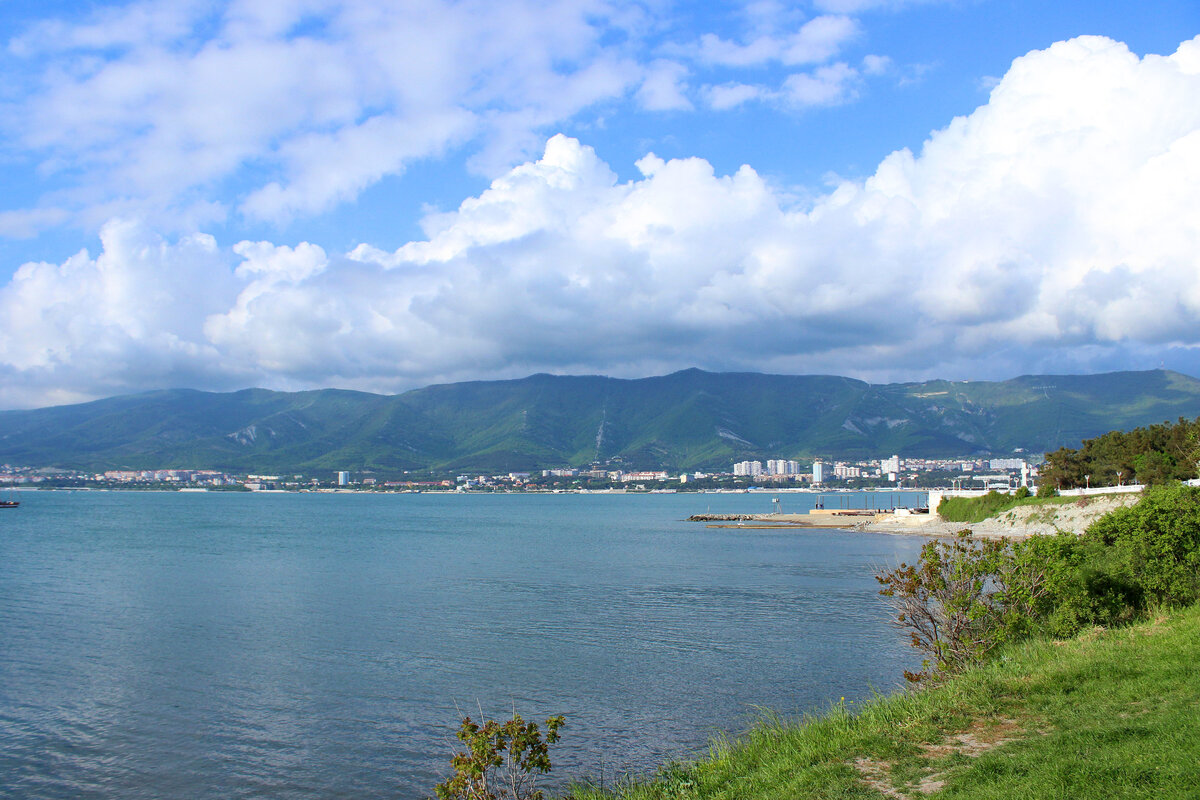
{"type": "Point", "coordinates": [962, 600]}
{"type": "Point", "coordinates": [1046, 489]}
{"type": "Point", "coordinates": [1156, 543]}
{"type": "Point", "coordinates": [502, 760]}
{"type": "Point", "coordinates": [1083, 584]}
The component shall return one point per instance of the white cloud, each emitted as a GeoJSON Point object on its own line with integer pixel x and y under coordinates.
{"type": "Point", "coordinates": [664, 88]}
{"type": "Point", "coordinates": [876, 64]}
{"type": "Point", "coordinates": [147, 107]}
{"type": "Point", "coordinates": [814, 42]}
{"type": "Point", "coordinates": [1053, 228]}
{"type": "Point", "coordinates": [859, 6]}
{"type": "Point", "coordinates": [128, 319]}
{"type": "Point", "coordinates": [24, 223]}
{"type": "Point", "coordinates": [829, 85]}
{"type": "Point", "coordinates": [732, 95]}
{"type": "Point", "coordinates": [825, 86]}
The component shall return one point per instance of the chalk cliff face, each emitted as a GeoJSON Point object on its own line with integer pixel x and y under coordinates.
{"type": "Point", "coordinates": [686, 420]}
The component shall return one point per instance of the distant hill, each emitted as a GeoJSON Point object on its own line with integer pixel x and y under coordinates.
{"type": "Point", "coordinates": [686, 420]}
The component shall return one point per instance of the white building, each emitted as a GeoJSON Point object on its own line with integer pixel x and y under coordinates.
{"type": "Point", "coordinates": [818, 471]}
{"type": "Point", "coordinates": [843, 470]}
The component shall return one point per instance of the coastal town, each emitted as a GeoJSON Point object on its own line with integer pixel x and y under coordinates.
{"type": "Point", "coordinates": [775, 474]}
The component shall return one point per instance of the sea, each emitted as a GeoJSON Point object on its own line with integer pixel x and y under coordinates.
{"type": "Point", "coordinates": [237, 645]}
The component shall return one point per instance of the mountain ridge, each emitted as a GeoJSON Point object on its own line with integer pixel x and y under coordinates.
{"type": "Point", "coordinates": [690, 419]}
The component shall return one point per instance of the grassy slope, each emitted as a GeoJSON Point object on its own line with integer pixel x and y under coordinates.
{"type": "Point", "coordinates": [1109, 715]}
{"type": "Point", "coordinates": [977, 509]}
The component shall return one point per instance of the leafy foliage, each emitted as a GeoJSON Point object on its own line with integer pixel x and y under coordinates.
{"type": "Point", "coordinates": [1151, 455]}
{"type": "Point", "coordinates": [1047, 489]}
{"type": "Point", "coordinates": [1085, 585]}
{"type": "Point", "coordinates": [964, 598]}
{"type": "Point", "coordinates": [1157, 543]}
{"type": "Point", "coordinates": [961, 600]}
{"type": "Point", "coordinates": [502, 760]}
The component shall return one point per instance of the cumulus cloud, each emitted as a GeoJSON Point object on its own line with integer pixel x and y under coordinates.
{"type": "Point", "coordinates": [1053, 228]}
{"type": "Point", "coordinates": [130, 318]}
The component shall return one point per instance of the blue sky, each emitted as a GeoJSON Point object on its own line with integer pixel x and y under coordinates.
{"type": "Point", "coordinates": [306, 193]}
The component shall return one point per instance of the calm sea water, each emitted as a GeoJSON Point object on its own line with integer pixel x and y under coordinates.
{"type": "Point", "coordinates": [168, 645]}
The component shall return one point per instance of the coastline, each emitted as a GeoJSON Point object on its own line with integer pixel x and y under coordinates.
{"type": "Point", "coordinates": [1017, 523]}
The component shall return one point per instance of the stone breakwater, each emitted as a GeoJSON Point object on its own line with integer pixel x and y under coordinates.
{"type": "Point", "coordinates": [727, 517]}
{"type": "Point", "coordinates": [845, 520]}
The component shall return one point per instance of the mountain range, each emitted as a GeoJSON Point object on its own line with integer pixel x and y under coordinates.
{"type": "Point", "coordinates": [687, 420]}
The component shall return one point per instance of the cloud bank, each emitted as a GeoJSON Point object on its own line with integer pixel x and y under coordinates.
{"type": "Point", "coordinates": [194, 113]}
{"type": "Point", "coordinates": [1053, 228]}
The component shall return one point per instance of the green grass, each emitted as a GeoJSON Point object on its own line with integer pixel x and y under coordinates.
{"type": "Point", "coordinates": [1112, 714]}
{"type": "Point", "coordinates": [977, 509]}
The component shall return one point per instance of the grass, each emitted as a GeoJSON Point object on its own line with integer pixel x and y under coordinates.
{"type": "Point", "coordinates": [977, 509]}
{"type": "Point", "coordinates": [1111, 714]}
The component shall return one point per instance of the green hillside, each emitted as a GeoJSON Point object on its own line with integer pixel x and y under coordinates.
{"type": "Point", "coordinates": [686, 420]}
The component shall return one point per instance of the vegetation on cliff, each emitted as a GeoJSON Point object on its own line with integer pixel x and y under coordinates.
{"type": "Point", "coordinates": [1149, 455]}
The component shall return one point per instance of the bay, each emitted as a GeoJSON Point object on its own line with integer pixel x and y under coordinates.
{"type": "Point", "coordinates": [161, 645]}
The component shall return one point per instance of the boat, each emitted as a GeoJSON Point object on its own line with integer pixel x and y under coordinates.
{"type": "Point", "coordinates": [9, 503]}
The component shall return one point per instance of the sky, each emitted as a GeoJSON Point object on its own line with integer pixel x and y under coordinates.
{"type": "Point", "coordinates": [296, 194]}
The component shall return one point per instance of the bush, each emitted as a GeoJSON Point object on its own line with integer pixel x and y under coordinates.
{"type": "Point", "coordinates": [1083, 584]}
{"type": "Point", "coordinates": [1156, 543]}
{"type": "Point", "coordinates": [962, 600]}
{"type": "Point", "coordinates": [502, 760]}
{"type": "Point", "coordinates": [1046, 489]}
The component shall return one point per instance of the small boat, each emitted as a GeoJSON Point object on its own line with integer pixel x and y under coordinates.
{"type": "Point", "coordinates": [9, 503]}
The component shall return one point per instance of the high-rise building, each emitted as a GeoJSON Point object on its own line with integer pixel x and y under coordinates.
{"type": "Point", "coordinates": [818, 471]}
{"type": "Point", "coordinates": [343, 479]}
